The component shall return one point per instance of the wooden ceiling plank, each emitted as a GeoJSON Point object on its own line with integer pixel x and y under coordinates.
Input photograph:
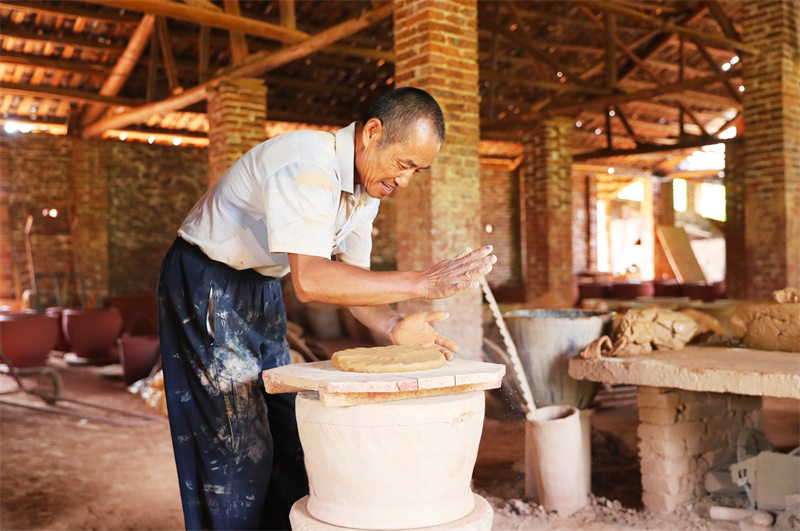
{"type": "Point", "coordinates": [39, 61]}
{"type": "Point", "coordinates": [122, 69]}
{"type": "Point", "coordinates": [166, 53]}
{"type": "Point", "coordinates": [238, 42]}
{"type": "Point", "coordinates": [71, 12]}
{"type": "Point", "coordinates": [613, 7]}
{"type": "Point", "coordinates": [209, 17]}
{"type": "Point", "coordinates": [549, 85]}
{"type": "Point", "coordinates": [64, 40]}
{"type": "Point", "coordinates": [257, 64]}
{"type": "Point", "coordinates": [59, 93]}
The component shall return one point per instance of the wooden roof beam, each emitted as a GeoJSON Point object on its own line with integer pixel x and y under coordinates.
{"type": "Point", "coordinates": [612, 7]}
{"type": "Point", "coordinates": [257, 64]}
{"type": "Point", "coordinates": [44, 61]}
{"type": "Point", "coordinates": [238, 42]}
{"type": "Point", "coordinates": [725, 23]}
{"type": "Point", "coordinates": [288, 17]}
{"type": "Point", "coordinates": [549, 85]}
{"type": "Point", "coordinates": [211, 18]}
{"type": "Point", "coordinates": [648, 148]}
{"type": "Point", "coordinates": [122, 69]}
{"type": "Point", "coordinates": [166, 54]}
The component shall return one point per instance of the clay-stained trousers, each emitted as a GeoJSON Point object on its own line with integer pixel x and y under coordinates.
{"type": "Point", "coordinates": [237, 451]}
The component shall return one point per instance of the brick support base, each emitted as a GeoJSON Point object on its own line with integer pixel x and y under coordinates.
{"type": "Point", "coordinates": [237, 112]}
{"type": "Point", "coordinates": [438, 216]}
{"type": "Point", "coordinates": [680, 435]}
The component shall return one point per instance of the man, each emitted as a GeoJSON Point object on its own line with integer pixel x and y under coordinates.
{"type": "Point", "coordinates": [290, 203]}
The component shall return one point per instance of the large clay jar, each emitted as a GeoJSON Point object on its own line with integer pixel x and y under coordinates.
{"type": "Point", "coordinates": [391, 465]}
{"type": "Point", "coordinates": [632, 289]}
{"type": "Point", "coordinates": [91, 332]}
{"type": "Point", "coordinates": [698, 290]}
{"type": "Point", "coordinates": [138, 355]}
{"type": "Point", "coordinates": [56, 311]}
{"type": "Point", "coordinates": [27, 338]}
{"type": "Point", "coordinates": [594, 290]}
{"type": "Point", "coordinates": [666, 287]}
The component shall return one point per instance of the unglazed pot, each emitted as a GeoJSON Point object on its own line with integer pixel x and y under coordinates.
{"type": "Point", "coordinates": [138, 355]}
{"type": "Point", "coordinates": [27, 338]}
{"type": "Point", "coordinates": [91, 332]}
{"type": "Point", "coordinates": [56, 311]}
{"type": "Point", "coordinates": [391, 465]}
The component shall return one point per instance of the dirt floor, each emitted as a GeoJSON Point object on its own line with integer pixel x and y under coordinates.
{"type": "Point", "coordinates": [60, 472]}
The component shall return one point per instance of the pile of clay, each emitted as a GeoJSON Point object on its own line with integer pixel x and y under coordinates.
{"type": "Point", "coordinates": [394, 358]}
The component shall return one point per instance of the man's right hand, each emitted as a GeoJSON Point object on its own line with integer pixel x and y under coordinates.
{"type": "Point", "coordinates": [456, 274]}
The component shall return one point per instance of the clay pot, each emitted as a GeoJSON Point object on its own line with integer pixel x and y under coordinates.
{"type": "Point", "coordinates": [139, 312]}
{"type": "Point", "coordinates": [91, 333]}
{"type": "Point", "coordinates": [632, 289]}
{"type": "Point", "coordinates": [720, 289]}
{"type": "Point", "coordinates": [26, 339]}
{"type": "Point", "coordinates": [698, 290]}
{"type": "Point", "coordinates": [138, 355]}
{"type": "Point", "coordinates": [594, 290]}
{"type": "Point", "coordinates": [391, 465]}
{"type": "Point", "coordinates": [61, 343]}
{"type": "Point", "coordinates": [666, 287]}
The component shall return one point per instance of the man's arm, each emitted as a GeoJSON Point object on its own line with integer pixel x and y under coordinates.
{"type": "Point", "coordinates": [322, 280]}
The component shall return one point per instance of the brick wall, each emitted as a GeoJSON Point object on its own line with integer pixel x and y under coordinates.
{"type": "Point", "coordinates": [436, 47]}
{"type": "Point", "coordinates": [547, 191]}
{"type": "Point", "coordinates": [129, 200]}
{"type": "Point", "coordinates": [237, 111]}
{"type": "Point", "coordinates": [772, 146]}
{"type": "Point", "coordinates": [682, 434]}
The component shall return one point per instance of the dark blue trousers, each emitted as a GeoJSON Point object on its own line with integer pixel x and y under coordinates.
{"type": "Point", "coordinates": [237, 451]}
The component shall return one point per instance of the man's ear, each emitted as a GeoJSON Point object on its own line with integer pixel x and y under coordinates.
{"type": "Point", "coordinates": [373, 130]}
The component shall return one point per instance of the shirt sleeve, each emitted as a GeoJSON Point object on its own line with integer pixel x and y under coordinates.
{"type": "Point", "coordinates": [357, 246]}
{"type": "Point", "coordinates": [300, 202]}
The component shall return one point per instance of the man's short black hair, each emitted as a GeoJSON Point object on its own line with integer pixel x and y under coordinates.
{"type": "Point", "coordinates": [401, 108]}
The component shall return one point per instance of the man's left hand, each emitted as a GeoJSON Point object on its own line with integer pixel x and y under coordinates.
{"type": "Point", "coordinates": [416, 329]}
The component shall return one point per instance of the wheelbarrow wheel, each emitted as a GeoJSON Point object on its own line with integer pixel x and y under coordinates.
{"type": "Point", "coordinates": [49, 385]}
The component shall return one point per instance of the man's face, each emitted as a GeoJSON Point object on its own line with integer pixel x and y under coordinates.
{"type": "Point", "coordinates": [384, 168]}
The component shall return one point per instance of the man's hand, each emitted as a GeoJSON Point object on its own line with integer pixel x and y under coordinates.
{"type": "Point", "coordinates": [453, 275]}
{"type": "Point", "coordinates": [416, 329]}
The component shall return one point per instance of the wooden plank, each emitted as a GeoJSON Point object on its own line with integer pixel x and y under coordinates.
{"type": "Point", "coordinates": [322, 376]}
{"type": "Point", "coordinates": [698, 368]}
{"type": "Point", "coordinates": [238, 42]}
{"type": "Point", "coordinates": [257, 64]}
{"type": "Point", "coordinates": [680, 255]}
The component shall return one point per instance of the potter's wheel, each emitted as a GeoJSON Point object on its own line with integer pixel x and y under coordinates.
{"type": "Point", "coordinates": [338, 388]}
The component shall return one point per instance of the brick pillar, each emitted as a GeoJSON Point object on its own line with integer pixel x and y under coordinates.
{"type": "Point", "coordinates": [682, 434]}
{"type": "Point", "coordinates": [648, 231]}
{"type": "Point", "coordinates": [436, 47]}
{"type": "Point", "coordinates": [237, 112]}
{"type": "Point", "coordinates": [663, 214]}
{"type": "Point", "coordinates": [7, 290]}
{"type": "Point", "coordinates": [772, 146]}
{"type": "Point", "coordinates": [547, 192]}
{"type": "Point", "coordinates": [735, 259]}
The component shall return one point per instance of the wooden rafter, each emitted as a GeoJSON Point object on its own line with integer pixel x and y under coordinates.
{"type": "Point", "coordinates": [710, 60]}
{"type": "Point", "coordinates": [238, 42]}
{"type": "Point", "coordinates": [58, 93]}
{"type": "Point", "coordinates": [722, 19]}
{"type": "Point", "coordinates": [605, 101]}
{"type": "Point", "coordinates": [203, 53]}
{"type": "Point", "coordinates": [115, 18]}
{"type": "Point", "coordinates": [645, 148]}
{"type": "Point", "coordinates": [256, 64]}
{"type": "Point", "coordinates": [613, 7]}
{"type": "Point", "coordinates": [122, 69]}
{"type": "Point", "coordinates": [166, 53]}
{"type": "Point", "coordinates": [288, 17]}
{"type": "Point", "coordinates": [549, 85]}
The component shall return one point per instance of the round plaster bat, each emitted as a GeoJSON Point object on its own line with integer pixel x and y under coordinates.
{"type": "Point", "coordinates": [394, 358]}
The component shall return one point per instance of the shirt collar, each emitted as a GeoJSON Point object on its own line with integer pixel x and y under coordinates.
{"type": "Point", "coordinates": [345, 156]}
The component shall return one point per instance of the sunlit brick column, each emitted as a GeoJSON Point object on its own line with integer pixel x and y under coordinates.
{"type": "Point", "coordinates": [547, 191]}
{"type": "Point", "coordinates": [663, 214]}
{"type": "Point", "coordinates": [237, 112]}
{"type": "Point", "coordinates": [772, 146]}
{"type": "Point", "coordinates": [436, 47]}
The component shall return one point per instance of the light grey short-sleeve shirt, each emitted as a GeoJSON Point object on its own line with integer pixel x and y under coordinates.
{"type": "Point", "coordinates": [294, 193]}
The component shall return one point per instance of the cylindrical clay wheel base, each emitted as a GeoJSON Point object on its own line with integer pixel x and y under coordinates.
{"type": "Point", "coordinates": [391, 465]}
